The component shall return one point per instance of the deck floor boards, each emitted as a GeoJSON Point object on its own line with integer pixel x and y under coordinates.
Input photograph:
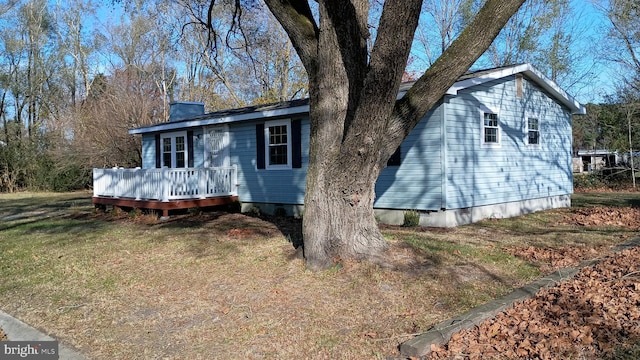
{"type": "Point", "coordinates": [165, 206]}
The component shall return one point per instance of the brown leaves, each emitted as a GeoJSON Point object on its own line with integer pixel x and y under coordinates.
{"type": "Point", "coordinates": [605, 216]}
{"type": "Point", "coordinates": [240, 233]}
{"type": "Point", "coordinates": [554, 258]}
{"type": "Point", "coordinates": [584, 317]}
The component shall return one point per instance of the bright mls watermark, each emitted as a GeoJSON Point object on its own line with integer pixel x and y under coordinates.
{"type": "Point", "coordinates": [32, 350]}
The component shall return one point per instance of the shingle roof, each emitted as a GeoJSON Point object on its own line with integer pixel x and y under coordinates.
{"type": "Point", "coordinates": [251, 109]}
{"type": "Point", "coordinates": [470, 78]}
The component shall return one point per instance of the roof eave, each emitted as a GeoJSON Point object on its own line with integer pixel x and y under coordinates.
{"type": "Point", "coordinates": [205, 121]}
{"type": "Point", "coordinates": [539, 78]}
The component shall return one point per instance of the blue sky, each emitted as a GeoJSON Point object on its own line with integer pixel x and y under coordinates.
{"type": "Point", "coordinates": [597, 78]}
{"type": "Point", "coordinates": [594, 78]}
{"type": "Point", "coordinates": [591, 38]}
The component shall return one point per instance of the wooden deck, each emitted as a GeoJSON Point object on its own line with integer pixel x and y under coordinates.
{"type": "Point", "coordinates": [165, 189]}
{"type": "Point", "coordinates": [164, 206]}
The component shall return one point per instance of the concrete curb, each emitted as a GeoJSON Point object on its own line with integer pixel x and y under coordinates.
{"type": "Point", "coordinates": [441, 333]}
{"type": "Point", "coordinates": [16, 330]}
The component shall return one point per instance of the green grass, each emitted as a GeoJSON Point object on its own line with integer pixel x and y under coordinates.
{"type": "Point", "coordinates": [613, 199]}
{"type": "Point", "coordinates": [471, 272]}
{"type": "Point", "coordinates": [629, 352]}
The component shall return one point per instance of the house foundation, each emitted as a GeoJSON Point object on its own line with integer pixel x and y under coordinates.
{"type": "Point", "coordinates": [440, 218]}
{"type": "Point", "coordinates": [457, 217]}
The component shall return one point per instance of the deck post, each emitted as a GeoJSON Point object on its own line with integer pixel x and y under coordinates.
{"type": "Point", "coordinates": [234, 178]}
{"type": "Point", "coordinates": [138, 183]}
{"type": "Point", "coordinates": [117, 189]}
{"type": "Point", "coordinates": [202, 182]}
{"type": "Point", "coordinates": [165, 184]}
{"type": "Point", "coordinates": [95, 181]}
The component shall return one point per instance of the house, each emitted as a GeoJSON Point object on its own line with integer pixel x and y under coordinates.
{"type": "Point", "coordinates": [596, 159]}
{"type": "Point", "coordinates": [498, 144]}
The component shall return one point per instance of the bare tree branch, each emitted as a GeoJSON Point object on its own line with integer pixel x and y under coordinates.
{"type": "Point", "coordinates": [296, 18]}
{"type": "Point", "coordinates": [457, 59]}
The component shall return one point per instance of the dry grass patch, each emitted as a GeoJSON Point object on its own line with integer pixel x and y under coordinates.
{"type": "Point", "coordinates": [218, 285]}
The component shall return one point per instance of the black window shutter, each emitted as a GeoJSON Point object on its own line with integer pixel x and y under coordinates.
{"type": "Point", "coordinates": [190, 148]}
{"type": "Point", "coordinates": [296, 143]}
{"type": "Point", "coordinates": [260, 146]}
{"type": "Point", "coordinates": [394, 160]}
{"type": "Point", "coordinates": [158, 152]}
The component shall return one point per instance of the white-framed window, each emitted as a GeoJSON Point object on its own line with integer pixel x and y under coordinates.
{"type": "Point", "coordinates": [533, 130]}
{"type": "Point", "coordinates": [174, 149]}
{"type": "Point", "coordinates": [277, 142]}
{"type": "Point", "coordinates": [490, 129]}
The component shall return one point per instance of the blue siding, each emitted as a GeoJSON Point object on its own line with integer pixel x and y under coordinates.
{"type": "Point", "coordinates": [417, 182]}
{"type": "Point", "coordinates": [262, 185]}
{"type": "Point", "coordinates": [149, 149]}
{"type": "Point", "coordinates": [443, 164]}
{"type": "Point", "coordinates": [478, 175]}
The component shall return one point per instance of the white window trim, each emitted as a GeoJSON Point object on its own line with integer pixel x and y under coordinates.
{"type": "Point", "coordinates": [482, 127]}
{"type": "Point", "coordinates": [173, 136]}
{"type": "Point", "coordinates": [267, 125]}
{"type": "Point", "coordinates": [526, 129]}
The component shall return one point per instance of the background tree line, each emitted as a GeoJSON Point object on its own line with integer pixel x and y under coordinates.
{"type": "Point", "coordinates": [614, 123]}
{"type": "Point", "coordinates": [76, 75]}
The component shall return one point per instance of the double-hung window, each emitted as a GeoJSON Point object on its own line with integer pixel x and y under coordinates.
{"type": "Point", "coordinates": [490, 129]}
{"type": "Point", "coordinates": [277, 136]}
{"type": "Point", "coordinates": [533, 131]}
{"type": "Point", "coordinates": [174, 149]}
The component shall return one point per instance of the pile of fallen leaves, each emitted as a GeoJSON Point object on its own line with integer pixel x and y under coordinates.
{"type": "Point", "coordinates": [552, 259]}
{"type": "Point", "coordinates": [605, 216]}
{"type": "Point", "coordinates": [585, 317]}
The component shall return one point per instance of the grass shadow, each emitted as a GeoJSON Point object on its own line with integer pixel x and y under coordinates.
{"type": "Point", "coordinates": [218, 233]}
{"type": "Point", "coordinates": [17, 207]}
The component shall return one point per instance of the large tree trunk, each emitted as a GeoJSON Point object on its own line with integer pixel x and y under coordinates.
{"type": "Point", "coordinates": [338, 218]}
{"type": "Point", "coordinates": [356, 122]}
{"type": "Point", "coordinates": [344, 152]}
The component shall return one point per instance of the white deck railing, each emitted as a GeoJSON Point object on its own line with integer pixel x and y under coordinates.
{"type": "Point", "coordinates": [165, 184]}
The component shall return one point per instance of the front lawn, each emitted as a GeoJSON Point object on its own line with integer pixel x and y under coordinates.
{"type": "Point", "coordinates": [219, 285]}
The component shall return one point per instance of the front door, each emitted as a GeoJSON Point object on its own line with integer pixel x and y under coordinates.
{"type": "Point", "coordinates": [216, 146]}
{"type": "Point", "coordinates": [174, 149]}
